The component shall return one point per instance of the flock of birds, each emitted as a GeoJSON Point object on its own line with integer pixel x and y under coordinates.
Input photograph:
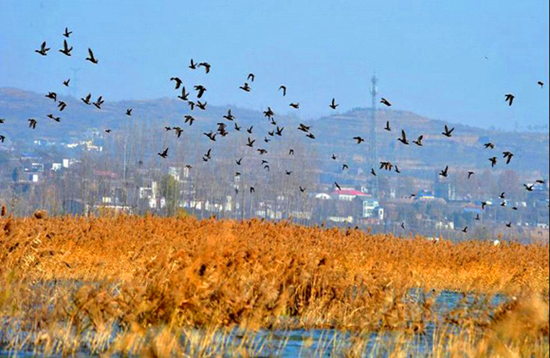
{"type": "Point", "coordinates": [221, 131]}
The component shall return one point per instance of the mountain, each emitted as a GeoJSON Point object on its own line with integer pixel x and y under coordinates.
{"type": "Point", "coordinates": [334, 133]}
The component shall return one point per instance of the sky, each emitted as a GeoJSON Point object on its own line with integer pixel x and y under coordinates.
{"type": "Point", "coordinates": [449, 60]}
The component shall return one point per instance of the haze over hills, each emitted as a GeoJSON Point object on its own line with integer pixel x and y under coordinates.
{"type": "Point", "coordinates": [333, 133]}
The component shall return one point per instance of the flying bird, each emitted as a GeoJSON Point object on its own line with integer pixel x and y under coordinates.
{"type": "Point", "coordinates": [443, 173]}
{"type": "Point", "coordinates": [358, 139]}
{"type": "Point", "coordinates": [201, 89]}
{"type": "Point", "coordinates": [489, 145]}
{"type": "Point", "coordinates": [448, 132]}
{"type": "Point", "coordinates": [52, 95]}
{"type": "Point", "coordinates": [385, 102]}
{"type": "Point", "coordinates": [282, 87]}
{"type": "Point", "coordinates": [91, 57]}
{"type": "Point", "coordinates": [43, 49]}
{"type": "Point", "coordinates": [250, 77]}
{"type": "Point", "coordinates": [508, 155]}
{"type": "Point", "coordinates": [250, 142]}
{"type": "Point", "coordinates": [129, 111]}
{"type": "Point", "coordinates": [337, 186]}
{"type": "Point", "coordinates": [87, 99]}
{"type": "Point", "coordinates": [344, 167]}
{"type": "Point", "coordinates": [245, 87]}
{"type": "Point", "coordinates": [372, 171]}
{"type": "Point", "coordinates": [67, 33]}
{"type": "Point", "coordinates": [465, 230]}
{"type": "Point", "coordinates": [470, 173]}
{"type": "Point", "coordinates": [541, 84]}
{"type": "Point", "coordinates": [229, 116]}
{"type": "Point", "coordinates": [193, 65]}
{"type": "Point", "coordinates": [403, 138]}
{"type": "Point", "coordinates": [66, 50]}
{"type": "Point", "coordinates": [32, 123]}
{"type": "Point", "coordinates": [387, 127]}
{"type": "Point", "coordinates": [333, 104]}
{"type": "Point", "coordinates": [502, 195]}
{"type": "Point", "coordinates": [51, 116]}
{"type": "Point", "coordinates": [66, 83]}
{"type": "Point", "coordinates": [249, 130]}
{"type": "Point", "coordinates": [291, 151]}
{"type": "Point", "coordinates": [493, 161]}
{"type": "Point", "coordinates": [177, 80]}
{"type": "Point", "coordinates": [239, 161]}
{"type": "Point", "coordinates": [509, 98]}
{"type": "Point", "coordinates": [529, 187]}
{"type": "Point", "coordinates": [419, 141]}
{"type": "Point", "coordinates": [98, 102]}
{"type": "Point", "coordinates": [509, 224]}
{"type": "Point", "coordinates": [201, 105]}
{"type": "Point", "coordinates": [184, 95]}
{"type": "Point", "coordinates": [295, 105]}
{"type": "Point", "coordinates": [61, 105]}
{"type": "Point", "coordinates": [206, 66]}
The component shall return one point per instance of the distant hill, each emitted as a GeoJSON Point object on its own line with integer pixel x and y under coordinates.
{"type": "Point", "coordinates": [333, 133]}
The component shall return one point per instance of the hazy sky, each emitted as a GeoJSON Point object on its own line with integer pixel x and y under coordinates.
{"type": "Point", "coordinates": [430, 56]}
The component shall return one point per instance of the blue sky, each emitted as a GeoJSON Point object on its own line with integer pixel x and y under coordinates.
{"type": "Point", "coordinates": [430, 56]}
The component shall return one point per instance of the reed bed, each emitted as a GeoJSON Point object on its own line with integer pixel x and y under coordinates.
{"type": "Point", "coordinates": [180, 286]}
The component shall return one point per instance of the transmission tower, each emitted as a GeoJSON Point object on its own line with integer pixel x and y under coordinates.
{"type": "Point", "coordinates": [372, 154]}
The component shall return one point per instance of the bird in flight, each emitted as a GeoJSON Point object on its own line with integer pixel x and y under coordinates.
{"type": "Point", "coordinates": [448, 132]}
{"type": "Point", "coordinates": [529, 187]}
{"type": "Point", "coordinates": [129, 112]}
{"type": "Point", "coordinates": [52, 95]}
{"type": "Point", "coordinates": [493, 161]}
{"type": "Point", "coordinates": [250, 77]}
{"type": "Point", "coordinates": [470, 173]}
{"type": "Point", "coordinates": [43, 49]}
{"type": "Point", "coordinates": [509, 98]}
{"type": "Point", "coordinates": [302, 189]}
{"type": "Point", "coordinates": [51, 116]}
{"type": "Point", "coordinates": [443, 173]}
{"type": "Point", "coordinates": [87, 99]}
{"type": "Point", "coordinates": [387, 127]}
{"type": "Point", "coordinates": [2, 138]}
{"type": "Point", "coordinates": [91, 57]}
{"type": "Point", "coordinates": [403, 138]}
{"type": "Point", "coordinates": [178, 81]}
{"type": "Point", "coordinates": [245, 87]}
{"type": "Point", "coordinates": [385, 102]}
{"type": "Point", "coordinates": [483, 205]}
{"type": "Point", "coordinates": [67, 33]}
{"type": "Point", "coordinates": [237, 128]}
{"type": "Point", "coordinates": [239, 161]}
{"type": "Point", "coordinates": [66, 50]}
{"type": "Point", "coordinates": [283, 87]}
{"type": "Point", "coordinates": [98, 102]}
{"type": "Point", "coordinates": [465, 230]}
{"type": "Point", "coordinates": [418, 142]}
{"type": "Point", "coordinates": [397, 169]}
{"type": "Point", "coordinates": [250, 142]}
{"type": "Point", "coordinates": [32, 123]}
{"type": "Point", "coordinates": [333, 104]}
{"type": "Point", "coordinates": [310, 135]}
{"type": "Point", "coordinates": [508, 155]}
{"type": "Point", "coordinates": [372, 171]}
{"type": "Point", "coordinates": [206, 66]}
{"type": "Point", "coordinates": [66, 82]}
{"type": "Point", "coordinates": [164, 154]}
{"type": "Point", "coordinates": [358, 139]}
{"type": "Point", "coordinates": [252, 190]}
{"type": "Point", "coordinates": [201, 105]}
{"type": "Point", "coordinates": [249, 130]}
{"type": "Point", "coordinates": [333, 157]}
{"type": "Point", "coordinates": [201, 89]}
{"type": "Point", "coordinates": [489, 145]}
{"type": "Point", "coordinates": [337, 186]}
{"type": "Point", "coordinates": [229, 116]}
{"type": "Point", "coordinates": [184, 95]}
{"type": "Point", "coordinates": [193, 65]}
{"type": "Point", "coordinates": [540, 181]}
{"type": "Point", "coordinates": [107, 131]}
{"type": "Point", "coordinates": [509, 224]}
{"type": "Point", "coordinates": [344, 167]}
{"type": "Point", "coordinates": [295, 105]}
{"type": "Point", "coordinates": [291, 151]}
{"type": "Point", "coordinates": [61, 105]}
{"type": "Point", "coordinates": [477, 217]}
{"type": "Point", "coordinates": [541, 84]}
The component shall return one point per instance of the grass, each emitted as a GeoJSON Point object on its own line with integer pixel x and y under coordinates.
{"type": "Point", "coordinates": [160, 286]}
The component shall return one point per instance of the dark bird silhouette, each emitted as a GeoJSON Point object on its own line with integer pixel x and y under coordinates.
{"type": "Point", "coordinates": [540, 181]}
{"type": "Point", "coordinates": [201, 89]}
{"type": "Point", "coordinates": [237, 128]}
{"type": "Point", "coordinates": [107, 131]}
{"type": "Point", "coordinates": [2, 120]}
{"type": "Point", "coordinates": [189, 119]}
{"type": "Point", "coordinates": [167, 128]}
{"type": "Point", "coordinates": [386, 165]}
{"type": "Point", "coordinates": [303, 128]}
{"type": "Point", "coordinates": [239, 161]}
{"type": "Point", "coordinates": [229, 116]}
{"type": "Point", "coordinates": [267, 140]}
{"type": "Point", "coordinates": [333, 104]}
{"type": "Point", "coordinates": [448, 132]}
{"type": "Point", "coordinates": [489, 145]}
{"type": "Point", "coordinates": [269, 112]}
{"type": "Point", "coordinates": [372, 171]}
{"type": "Point", "coordinates": [43, 49]}
{"type": "Point", "coordinates": [87, 99]}
{"type": "Point", "coordinates": [282, 87]}
{"type": "Point", "coordinates": [477, 217]}
{"type": "Point", "coordinates": [245, 87]}
{"type": "Point", "coordinates": [385, 102]}
{"type": "Point", "coordinates": [288, 172]}
{"type": "Point", "coordinates": [465, 230]}
{"type": "Point", "coordinates": [252, 190]}
{"type": "Point", "coordinates": [67, 33]}
{"type": "Point", "coordinates": [514, 208]}
{"type": "Point", "coordinates": [179, 131]}
{"type": "Point", "coordinates": [211, 136]}
{"type": "Point", "coordinates": [191, 105]}
{"type": "Point", "coordinates": [337, 186]}
{"type": "Point", "coordinates": [403, 138]}
{"type": "Point", "coordinates": [250, 77]}
{"type": "Point", "coordinates": [483, 205]}
{"type": "Point", "coordinates": [279, 131]}
{"type": "Point", "coordinates": [387, 127]}
{"type": "Point", "coordinates": [295, 105]}
{"type": "Point", "coordinates": [509, 98]}
{"type": "Point", "coordinates": [193, 65]}
{"type": "Point", "coordinates": [2, 138]}
{"type": "Point", "coordinates": [52, 95]}
{"type": "Point", "coordinates": [403, 226]}
{"type": "Point", "coordinates": [310, 135]}
{"type": "Point", "coordinates": [502, 195]}
{"type": "Point", "coordinates": [529, 187]}
{"type": "Point", "coordinates": [358, 139]}
{"type": "Point", "coordinates": [129, 111]}
{"type": "Point", "coordinates": [333, 157]}
{"type": "Point", "coordinates": [509, 224]}
{"type": "Point", "coordinates": [541, 84]}
{"type": "Point", "coordinates": [66, 83]}
{"type": "Point", "coordinates": [503, 203]}
{"type": "Point", "coordinates": [261, 151]}
{"type": "Point", "coordinates": [508, 155]}
{"type": "Point", "coordinates": [493, 161]}
{"type": "Point", "coordinates": [206, 66]}
{"type": "Point", "coordinates": [250, 142]}
{"type": "Point", "coordinates": [208, 153]}
{"type": "Point", "coordinates": [178, 81]}
{"type": "Point", "coordinates": [443, 173]}
{"type": "Point", "coordinates": [344, 167]}
{"type": "Point", "coordinates": [397, 169]}
{"type": "Point", "coordinates": [291, 152]}
{"type": "Point", "coordinates": [302, 189]}
{"type": "Point", "coordinates": [202, 105]}
{"type": "Point", "coordinates": [66, 50]}
{"type": "Point", "coordinates": [98, 102]}
{"type": "Point", "coordinates": [264, 162]}
{"type": "Point", "coordinates": [51, 116]}
{"type": "Point", "coordinates": [32, 123]}
{"type": "Point", "coordinates": [418, 142]}
{"type": "Point", "coordinates": [184, 95]}
{"type": "Point", "coordinates": [249, 130]}
{"type": "Point", "coordinates": [91, 57]}
{"type": "Point", "coordinates": [61, 105]}
{"type": "Point", "coordinates": [470, 173]}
